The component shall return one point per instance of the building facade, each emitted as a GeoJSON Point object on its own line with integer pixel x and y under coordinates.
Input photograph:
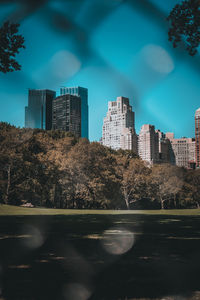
{"type": "Point", "coordinates": [192, 154]}
{"type": "Point", "coordinates": [197, 137]}
{"type": "Point", "coordinates": [83, 94]}
{"type": "Point", "coordinates": [67, 114]}
{"type": "Point", "coordinates": [129, 140]}
{"type": "Point", "coordinates": [166, 154]}
{"type": "Point", "coordinates": [119, 125]}
{"type": "Point", "coordinates": [148, 144]}
{"type": "Point", "coordinates": [184, 150]}
{"type": "Point", "coordinates": [38, 113]}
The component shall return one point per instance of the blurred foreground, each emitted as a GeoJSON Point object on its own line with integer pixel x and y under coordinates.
{"type": "Point", "coordinates": [124, 256]}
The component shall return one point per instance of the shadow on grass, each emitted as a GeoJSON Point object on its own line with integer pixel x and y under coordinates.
{"type": "Point", "coordinates": [99, 257]}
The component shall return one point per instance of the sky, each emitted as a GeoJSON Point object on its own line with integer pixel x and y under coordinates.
{"type": "Point", "coordinates": [113, 48]}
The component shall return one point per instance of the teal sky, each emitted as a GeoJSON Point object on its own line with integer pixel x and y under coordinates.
{"type": "Point", "coordinates": [114, 48]}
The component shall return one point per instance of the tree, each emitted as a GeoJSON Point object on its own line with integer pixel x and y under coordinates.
{"type": "Point", "coordinates": [9, 156]}
{"type": "Point", "coordinates": [10, 43]}
{"type": "Point", "coordinates": [133, 178]}
{"type": "Point", "coordinates": [89, 176]}
{"type": "Point", "coordinates": [193, 185]}
{"type": "Point", "coordinates": [175, 184]}
{"type": "Point", "coordinates": [184, 22]}
{"type": "Point", "coordinates": [167, 180]}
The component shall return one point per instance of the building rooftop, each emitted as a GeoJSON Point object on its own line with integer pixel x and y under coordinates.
{"type": "Point", "coordinates": [197, 112]}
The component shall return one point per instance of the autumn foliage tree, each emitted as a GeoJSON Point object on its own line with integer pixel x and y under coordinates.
{"type": "Point", "coordinates": [91, 175]}
{"type": "Point", "coordinates": [167, 182]}
{"type": "Point", "coordinates": [55, 169]}
{"type": "Point", "coordinates": [133, 176]}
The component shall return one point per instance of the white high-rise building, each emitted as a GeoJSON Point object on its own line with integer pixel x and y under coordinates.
{"type": "Point", "coordinates": [129, 140]}
{"type": "Point", "coordinates": [148, 145]}
{"type": "Point", "coordinates": [119, 126]}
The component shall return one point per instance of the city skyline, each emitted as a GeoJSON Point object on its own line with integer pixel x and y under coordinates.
{"type": "Point", "coordinates": [69, 112]}
{"type": "Point", "coordinates": [63, 90]}
{"type": "Point", "coordinates": [131, 58]}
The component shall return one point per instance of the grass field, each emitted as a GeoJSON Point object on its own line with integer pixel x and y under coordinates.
{"type": "Point", "coordinates": [16, 210]}
{"type": "Point", "coordinates": [99, 255]}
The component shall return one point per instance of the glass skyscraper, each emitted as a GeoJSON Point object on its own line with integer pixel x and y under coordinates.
{"type": "Point", "coordinates": [67, 114]}
{"type": "Point", "coordinates": [38, 113]}
{"type": "Point", "coordinates": [83, 94]}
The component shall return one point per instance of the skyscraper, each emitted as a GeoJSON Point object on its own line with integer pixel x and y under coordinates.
{"type": "Point", "coordinates": [38, 113]}
{"type": "Point", "coordinates": [183, 149]}
{"type": "Point", "coordinates": [197, 137]}
{"type": "Point", "coordinates": [83, 94]}
{"type": "Point", "coordinates": [129, 140]}
{"type": "Point", "coordinates": [67, 114]}
{"type": "Point", "coordinates": [148, 144]}
{"type": "Point", "coordinates": [166, 153]}
{"type": "Point", "coordinates": [119, 125]}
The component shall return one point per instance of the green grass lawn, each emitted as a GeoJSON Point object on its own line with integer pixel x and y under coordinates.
{"type": "Point", "coordinates": [16, 210]}
{"type": "Point", "coordinates": [54, 254]}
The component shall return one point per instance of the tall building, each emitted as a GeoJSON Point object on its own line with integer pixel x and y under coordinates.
{"type": "Point", "coordinates": [166, 154]}
{"type": "Point", "coordinates": [38, 113]}
{"type": "Point", "coordinates": [119, 125]}
{"type": "Point", "coordinates": [148, 144]}
{"type": "Point", "coordinates": [197, 136]}
{"type": "Point", "coordinates": [192, 154]}
{"type": "Point", "coordinates": [129, 140]}
{"type": "Point", "coordinates": [169, 135]}
{"type": "Point", "coordinates": [184, 150]}
{"type": "Point", "coordinates": [67, 114]}
{"type": "Point", "coordinates": [83, 93]}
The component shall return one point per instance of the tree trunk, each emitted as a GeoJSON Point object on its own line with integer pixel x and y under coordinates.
{"type": "Point", "coordinates": [53, 194]}
{"type": "Point", "coordinates": [8, 184]}
{"type": "Point", "coordinates": [162, 203]}
{"type": "Point", "coordinates": [174, 200]}
{"type": "Point", "coordinates": [126, 197]}
{"type": "Point", "coordinates": [126, 201]}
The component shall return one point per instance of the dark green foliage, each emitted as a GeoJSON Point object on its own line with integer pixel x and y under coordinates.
{"type": "Point", "coordinates": [184, 22]}
{"type": "Point", "coordinates": [10, 43]}
{"type": "Point", "coordinates": [54, 169]}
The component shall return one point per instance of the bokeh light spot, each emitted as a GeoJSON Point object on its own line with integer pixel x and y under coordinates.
{"type": "Point", "coordinates": [158, 59]}
{"type": "Point", "coordinates": [117, 241]}
{"type": "Point", "coordinates": [35, 237]}
{"type": "Point", "coordinates": [74, 291]}
{"type": "Point", "coordinates": [64, 64]}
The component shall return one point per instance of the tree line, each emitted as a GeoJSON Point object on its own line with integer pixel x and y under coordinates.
{"type": "Point", "coordinates": [55, 169]}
